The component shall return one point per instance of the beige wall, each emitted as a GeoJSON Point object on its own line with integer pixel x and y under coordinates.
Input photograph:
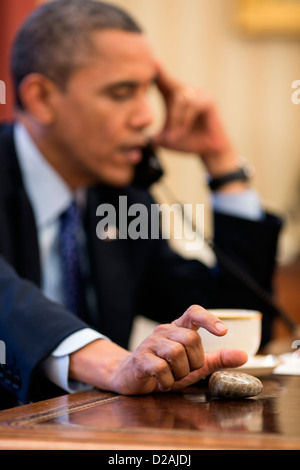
{"type": "Point", "coordinates": [251, 79]}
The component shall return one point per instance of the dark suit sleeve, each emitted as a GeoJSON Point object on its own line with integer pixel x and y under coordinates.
{"type": "Point", "coordinates": [174, 283]}
{"type": "Point", "coordinates": [25, 329]}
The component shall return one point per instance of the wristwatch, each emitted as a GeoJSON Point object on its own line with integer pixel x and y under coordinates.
{"type": "Point", "coordinates": [242, 174]}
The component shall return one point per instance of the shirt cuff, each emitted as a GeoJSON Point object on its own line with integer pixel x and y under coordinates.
{"type": "Point", "coordinates": [56, 366]}
{"type": "Point", "coordinates": [245, 204]}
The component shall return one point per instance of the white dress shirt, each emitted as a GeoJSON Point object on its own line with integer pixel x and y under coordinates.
{"type": "Point", "coordinates": [50, 196]}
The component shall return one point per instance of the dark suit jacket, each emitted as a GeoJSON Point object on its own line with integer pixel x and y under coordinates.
{"type": "Point", "coordinates": [130, 277]}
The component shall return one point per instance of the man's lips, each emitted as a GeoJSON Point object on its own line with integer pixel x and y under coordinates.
{"type": "Point", "coordinates": [133, 154]}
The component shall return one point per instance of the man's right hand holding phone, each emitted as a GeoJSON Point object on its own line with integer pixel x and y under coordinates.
{"type": "Point", "coordinates": [193, 125]}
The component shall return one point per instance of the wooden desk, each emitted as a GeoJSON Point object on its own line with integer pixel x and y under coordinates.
{"type": "Point", "coordinates": [190, 420]}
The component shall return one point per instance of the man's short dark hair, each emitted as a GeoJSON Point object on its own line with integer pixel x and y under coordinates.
{"type": "Point", "coordinates": [56, 38]}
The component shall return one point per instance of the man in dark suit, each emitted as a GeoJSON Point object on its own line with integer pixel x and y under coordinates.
{"type": "Point", "coordinates": [82, 70]}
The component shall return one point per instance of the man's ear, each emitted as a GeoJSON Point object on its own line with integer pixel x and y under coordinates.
{"type": "Point", "coordinates": [37, 96]}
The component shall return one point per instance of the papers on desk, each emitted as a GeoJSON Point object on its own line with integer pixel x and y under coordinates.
{"type": "Point", "coordinates": [289, 364]}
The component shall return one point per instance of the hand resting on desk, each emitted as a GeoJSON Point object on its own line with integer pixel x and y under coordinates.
{"type": "Point", "coordinates": [171, 358]}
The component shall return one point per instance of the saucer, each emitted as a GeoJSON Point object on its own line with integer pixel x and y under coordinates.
{"type": "Point", "coordinates": [260, 366]}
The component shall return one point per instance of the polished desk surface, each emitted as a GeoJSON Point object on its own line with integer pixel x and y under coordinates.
{"type": "Point", "coordinates": [188, 420]}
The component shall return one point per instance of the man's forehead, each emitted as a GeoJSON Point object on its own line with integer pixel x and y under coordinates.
{"type": "Point", "coordinates": [124, 54]}
{"type": "Point", "coordinates": [117, 43]}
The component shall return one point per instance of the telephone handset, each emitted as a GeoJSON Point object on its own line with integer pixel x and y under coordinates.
{"type": "Point", "coordinates": [149, 171]}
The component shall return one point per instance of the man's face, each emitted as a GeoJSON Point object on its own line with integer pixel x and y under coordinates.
{"type": "Point", "coordinates": [102, 116]}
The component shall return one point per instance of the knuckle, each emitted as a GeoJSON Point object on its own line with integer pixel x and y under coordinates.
{"type": "Point", "coordinates": [193, 338]}
{"type": "Point", "coordinates": [200, 315]}
{"type": "Point", "coordinates": [161, 329]}
{"type": "Point", "coordinates": [162, 368]}
{"type": "Point", "coordinates": [139, 362]}
{"type": "Point", "coordinates": [195, 309]}
{"type": "Point", "coordinates": [178, 351]}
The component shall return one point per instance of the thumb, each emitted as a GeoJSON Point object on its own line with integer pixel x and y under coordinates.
{"type": "Point", "coordinates": [197, 317]}
{"type": "Point", "coordinates": [223, 359]}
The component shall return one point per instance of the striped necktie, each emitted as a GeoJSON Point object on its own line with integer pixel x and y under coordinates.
{"type": "Point", "coordinates": [70, 223]}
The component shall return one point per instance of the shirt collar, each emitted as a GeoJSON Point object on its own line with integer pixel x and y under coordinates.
{"type": "Point", "coordinates": [48, 193]}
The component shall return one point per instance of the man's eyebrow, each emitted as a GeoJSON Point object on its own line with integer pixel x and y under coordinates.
{"type": "Point", "coordinates": [128, 84]}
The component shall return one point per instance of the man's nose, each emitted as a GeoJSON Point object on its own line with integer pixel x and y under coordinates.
{"type": "Point", "coordinates": [142, 115]}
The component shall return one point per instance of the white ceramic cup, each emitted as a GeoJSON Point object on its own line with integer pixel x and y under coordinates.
{"type": "Point", "coordinates": [244, 331]}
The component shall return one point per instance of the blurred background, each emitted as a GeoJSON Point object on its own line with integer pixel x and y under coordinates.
{"type": "Point", "coordinates": [245, 53]}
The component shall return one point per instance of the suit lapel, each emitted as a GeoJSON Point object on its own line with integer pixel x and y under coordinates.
{"type": "Point", "coordinates": [22, 249]}
{"type": "Point", "coordinates": [28, 258]}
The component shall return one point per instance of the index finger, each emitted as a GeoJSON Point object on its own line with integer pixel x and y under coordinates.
{"type": "Point", "coordinates": [197, 317]}
{"type": "Point", "coordinates": [165, 83]}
